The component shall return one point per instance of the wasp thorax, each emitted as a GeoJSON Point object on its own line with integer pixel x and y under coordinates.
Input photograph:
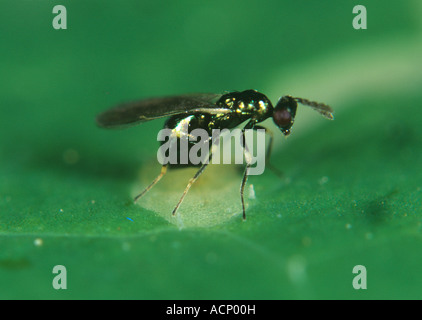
{"type": "Point", "coordinates": [246, 100]}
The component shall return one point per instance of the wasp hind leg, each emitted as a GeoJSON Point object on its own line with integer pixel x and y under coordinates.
{"type": "Point", "coordinates": [162, 173]}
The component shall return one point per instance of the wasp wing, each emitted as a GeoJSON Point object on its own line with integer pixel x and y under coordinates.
{"type": "Point", "coordinates": [135, 112]}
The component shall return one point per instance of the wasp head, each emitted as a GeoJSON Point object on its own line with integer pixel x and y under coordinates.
{"type": "Point", "coordinates": [284, 113]}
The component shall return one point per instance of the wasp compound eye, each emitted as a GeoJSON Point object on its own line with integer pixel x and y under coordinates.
{"type": "Point", "coordinates": [284, 113]}
{"type": "Point", "coordinates": [283, 117]}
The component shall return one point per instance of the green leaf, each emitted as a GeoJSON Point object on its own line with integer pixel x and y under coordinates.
{"type": "Point", "coordinates": [350, 190]}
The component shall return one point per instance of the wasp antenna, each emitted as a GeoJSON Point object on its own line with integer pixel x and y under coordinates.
{"type": "Point", "coordinates": [322, 108]}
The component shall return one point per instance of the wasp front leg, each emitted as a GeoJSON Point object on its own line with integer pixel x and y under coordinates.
{"type": "Point", "coordinates": [248, 158]}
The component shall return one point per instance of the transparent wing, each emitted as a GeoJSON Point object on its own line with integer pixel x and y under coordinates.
{"type": "Point", "coordinates": [135, 112]}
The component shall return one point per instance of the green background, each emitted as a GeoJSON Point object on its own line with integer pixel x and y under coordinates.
{"type": "Point", "coordinates": [351, 190]}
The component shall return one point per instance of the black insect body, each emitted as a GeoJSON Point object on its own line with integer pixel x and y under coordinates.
{"type": "Point", "coordinates": [209, 112]}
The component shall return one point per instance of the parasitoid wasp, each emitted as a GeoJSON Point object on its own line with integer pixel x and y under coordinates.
{"type": "Point", "coordinates": [210, 111]}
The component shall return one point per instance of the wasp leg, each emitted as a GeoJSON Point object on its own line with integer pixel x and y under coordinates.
{"type": "Point", "coordinates": [163, 172]}
{"type": "Point", "coordinates": [269, 151]}
{"type": "Point", "coordinates": [246, 172]}
{"type": "Point", "coordinates": [195, 177]}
